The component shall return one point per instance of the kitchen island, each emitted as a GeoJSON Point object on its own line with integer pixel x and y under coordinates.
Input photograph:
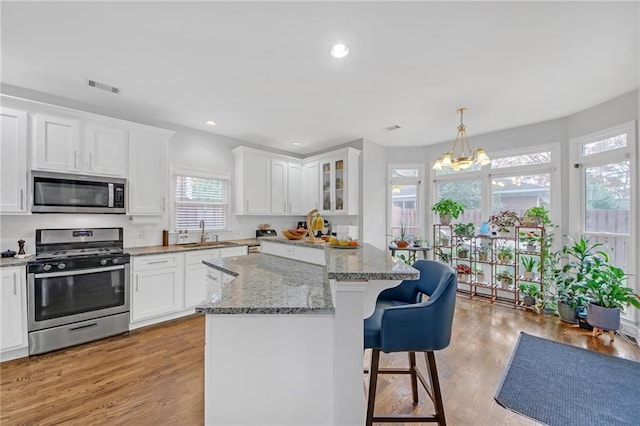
{"type": "Point", "coordinates": [284, 339]}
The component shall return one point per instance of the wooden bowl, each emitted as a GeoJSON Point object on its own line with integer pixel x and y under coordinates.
{"type": "Point", "coordinates": [290, 236]}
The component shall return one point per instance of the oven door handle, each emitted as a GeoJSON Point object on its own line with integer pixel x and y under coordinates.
{"type": "Point", "coordinates": [79, 272]}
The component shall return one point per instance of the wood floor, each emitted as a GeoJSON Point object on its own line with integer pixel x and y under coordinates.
{"type": "Point", "coordinates": [154, 376]}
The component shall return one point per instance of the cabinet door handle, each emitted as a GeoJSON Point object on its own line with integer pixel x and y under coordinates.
{"type": "Point", "coordinates": [22, 199]}
{"type": "Point", "coordinates": [164, 203]}
{"type": "Point", "coordinates": [137, 283]}
{"type": "Point", "coordinates": [289, 207]}
{"type": "Point", "coordinates": [15, 280]}
{"type": "Point", "coordinates": [157, 261]}
{"type": "Point", "coordinates": [247, 203]}
{"type": "Point", "coordinates": [91, 161]}
{"type": "Point", "coordinates": [75, 159]}
{"type": "Point", "coordinates": [285, 206]}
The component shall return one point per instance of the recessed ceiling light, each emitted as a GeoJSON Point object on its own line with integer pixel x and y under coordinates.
{"type": "Point", "coordinates": [296, 143]}
{"type": "Point", "coordinates": [339, 51]}
{"type": "Point", "coordinates": [210, 123]}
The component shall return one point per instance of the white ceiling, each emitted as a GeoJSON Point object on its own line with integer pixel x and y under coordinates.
{"type": "Point", "coordinates": [263, 72]}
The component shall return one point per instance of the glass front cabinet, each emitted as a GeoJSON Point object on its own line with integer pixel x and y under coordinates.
{"type": "Point", "coordinates": [339, 180]}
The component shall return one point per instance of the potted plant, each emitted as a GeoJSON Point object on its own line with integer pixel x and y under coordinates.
{"type": "Point", "coordinates": [447, 209]}
{"type": "Point", "coordinates": [529, 294]}
{"type": "Point", "coordinates": [402, 240]}
{"type": "Point", "coordinates": [464, 231]}
{"type": "Point", "coordinates": [479, 274]}
{"type": "Point", "coordinates": [483, 254]}
{"type": "Point", "coordinates": [535, 216]}
{"type": "Point", "coordinates": [505, 278]}
{"type": "Point", "coordinates": [530, 238]}
{"type": "Point", "coordinates": [529, 262]}
{"type": "Point", "coordinates": [504, 221]}
{"type": "Point", "coordinates": [607, 294]}
{"type": "Point", "coordinates": [504, 253]}
{"type": "Point", "coordinates": [463, 272]}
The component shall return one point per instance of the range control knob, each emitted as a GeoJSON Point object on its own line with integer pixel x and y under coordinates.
{"type": "Point", "coordinates": [61, 266]}
{"type": "Point", "coordinates": [46, 267]}
{"type": "Point", "coordinates": [103, 262]}
{"type": "Point", "coordinates": [115, 260]}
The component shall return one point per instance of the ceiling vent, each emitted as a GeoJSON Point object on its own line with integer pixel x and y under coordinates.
{"type": "Point", "coordinates": [102, 86]}
{"type": "Point", "coordinates": [391, 128]}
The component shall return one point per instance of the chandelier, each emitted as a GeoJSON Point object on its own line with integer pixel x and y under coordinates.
{"type": "Point", "coordinates": [464, 157]}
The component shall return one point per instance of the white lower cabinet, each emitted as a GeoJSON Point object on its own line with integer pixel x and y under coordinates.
{"type": "Point", "coordinates": [195, 276]}
{"type": "Point", "coordinates": [157, 286]}
{"type": "Point", "coordinates": [13, 315]}
{"type": "Point", "coordinates": [168, 286]}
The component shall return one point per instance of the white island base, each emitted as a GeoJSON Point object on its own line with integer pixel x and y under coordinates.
{"type": "Point", "coordinates": [294, 365]}
{"type": "Point", "coordinates": [269, 370]}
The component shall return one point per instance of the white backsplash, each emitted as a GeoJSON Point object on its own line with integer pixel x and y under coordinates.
{"type": "Point", "coordinates": [140, 231]}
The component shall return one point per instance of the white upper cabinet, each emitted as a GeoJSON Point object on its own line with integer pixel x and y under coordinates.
{"type": "Point", "coordinates": [13, 151]}
{"type": "Point", "coordinates": [56, 143]}
{"type": "Point", "coordinates": [279, 185]}
{"type": "Point", "coordinates": [286, 187]}
{"type": "Point", "coordinates": [294, 188]}
{"type": "Point", "coordinates": [105, 150]}
{"type": "Point", "coordinates": [148, 172]}
{"type": "Point", "coordinates": [339, 181]}
{"type": "Point", "coordinates": [310, 186]}
{"type": "Point", "coordinates": [252, 181]}
{"type": "Point", "coordinates": [102, 149]}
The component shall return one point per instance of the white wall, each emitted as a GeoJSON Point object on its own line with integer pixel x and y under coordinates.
{"type": "Point", "coordinates": [373, 192]}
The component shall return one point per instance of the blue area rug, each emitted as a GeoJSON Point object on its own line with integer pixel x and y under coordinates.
{"type": "Point", "coordinates": [558, 384]}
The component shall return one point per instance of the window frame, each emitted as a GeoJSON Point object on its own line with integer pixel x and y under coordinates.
{"type": "Point", "coordinates": [183, 171]}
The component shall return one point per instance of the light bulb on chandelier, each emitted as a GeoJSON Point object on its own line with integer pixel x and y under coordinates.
{"type": "Point", "coordinates": [465, 157]}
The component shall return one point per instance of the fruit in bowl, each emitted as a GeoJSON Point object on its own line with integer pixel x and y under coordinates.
{"type": "Point", "coordinates": [294, 234]}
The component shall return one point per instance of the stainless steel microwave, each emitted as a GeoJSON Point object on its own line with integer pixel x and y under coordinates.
{"type": "Point", "coordinates": [69, 193]}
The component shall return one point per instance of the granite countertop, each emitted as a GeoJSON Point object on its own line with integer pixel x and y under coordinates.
{"type": "Point", "coordinates": [265, 284]}
{"type": "Point", "coordinates": [6, 262]}
{"type": "Point", "coordinates": [173, 248]}
{"type": "Point", "coordinates": [364, 262]}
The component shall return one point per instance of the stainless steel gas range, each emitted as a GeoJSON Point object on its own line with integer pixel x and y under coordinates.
{"type": "Point", "coordinates": [78, 287]}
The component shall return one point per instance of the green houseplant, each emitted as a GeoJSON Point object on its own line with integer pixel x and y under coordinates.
{"type": "Point", "coordinates": [588, 274]}
{"type": "Point", "coordinates": [505, 278]}
{"type": "Point", "coordinates": [447, 209]}
{"type": "Point", "coordinates": [529, 292]}
{"type": "Point", "coordinates": [504, 253]}
{"type": "Point", "coordinates": [528, 262]}
{"type": "Point", "coordinates": [504, 221]}
{"type": "Point", "coordinates": [535, 216]}
{"type": "Point", "coordinates": [464, 231]}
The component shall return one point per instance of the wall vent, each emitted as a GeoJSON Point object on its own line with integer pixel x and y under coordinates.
{"type": "Point", "coordinates": [102, 86]}
{"type": "Point", "coordinates": [391, 128]}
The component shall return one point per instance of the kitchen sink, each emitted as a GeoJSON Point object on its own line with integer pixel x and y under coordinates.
{"type": "Point", "coordinates": [211, 244]}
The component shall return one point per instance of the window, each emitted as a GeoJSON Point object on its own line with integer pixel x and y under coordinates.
{"type": "Point", "coordinates": [405, 200]}
{"type": "Point", "coordinates": [516, 180]}
{"type": "Point", "coordinates": [602, 186]}
{"type": "Point", "coordinates": [201, 196]}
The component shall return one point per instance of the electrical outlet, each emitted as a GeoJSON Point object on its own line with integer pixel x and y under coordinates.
{"type": "Point", "coordinates": [142, 235]}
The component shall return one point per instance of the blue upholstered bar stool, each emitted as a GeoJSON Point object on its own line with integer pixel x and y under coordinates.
{"type": "Point", "coordinates": [402, 322]}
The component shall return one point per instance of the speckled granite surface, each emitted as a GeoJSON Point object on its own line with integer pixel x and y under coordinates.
{"type": "Point", "coordinates": [149, 250]}
{"type": "Point", "coordinates": [302, 242]}
{"type": "Point", "coordinates": [270, 285]}
{"type": "Point", "coordinates": [366, 263]}
{"type": "Point", "coordinates": [6, 262]}
{"type": "Point", "coordinates": [267, 284]}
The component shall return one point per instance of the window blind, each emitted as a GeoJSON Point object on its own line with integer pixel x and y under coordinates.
{"type": "Point", "coordinates": [200, 198]}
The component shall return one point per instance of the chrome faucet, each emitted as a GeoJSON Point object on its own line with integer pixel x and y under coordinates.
{"type": "Point", "coordinates": [203, 237]}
